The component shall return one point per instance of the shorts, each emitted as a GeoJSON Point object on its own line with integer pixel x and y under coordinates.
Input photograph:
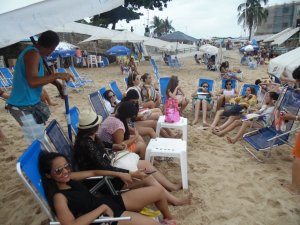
{"type": "Point", "coordinates": [296, 149]}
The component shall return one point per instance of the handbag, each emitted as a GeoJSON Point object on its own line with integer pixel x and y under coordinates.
{"type": "Point", "coordinates": [126, 160]}
{"type": "Point", "coordinates": [172, 111]}
{"type": "Point", "coordinates": [41, 112]}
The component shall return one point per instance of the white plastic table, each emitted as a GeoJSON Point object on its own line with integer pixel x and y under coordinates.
{"type": "Point", "coordinates": [181, 125]}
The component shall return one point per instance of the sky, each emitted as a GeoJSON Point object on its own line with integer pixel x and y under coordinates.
{"type": "Point", "coordinates": [197, 18]}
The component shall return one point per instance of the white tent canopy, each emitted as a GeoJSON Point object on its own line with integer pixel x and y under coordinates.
{"type": "Point", "coordinates": [288, 61]}
{"type": "Point", "coordinates": [39, 17]}
{"type": "Point", "coordinates": [273, 37]}
{"type": "Point", "coordinates": [127, 36]}
{"type": "Point", "coordinates": [282, 38]}
{"type": "Point", "coordinates": [209, 49]}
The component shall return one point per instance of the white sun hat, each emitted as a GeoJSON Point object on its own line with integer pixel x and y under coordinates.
{"type": "Point", "coordinates": [88, 119]}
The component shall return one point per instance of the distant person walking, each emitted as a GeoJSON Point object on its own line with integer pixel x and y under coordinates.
{"type": "Point", "coordinates": [25, 103]}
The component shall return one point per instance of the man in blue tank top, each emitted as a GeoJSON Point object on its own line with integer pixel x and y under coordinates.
{"type": "Point", "coordinates": [24, 102]}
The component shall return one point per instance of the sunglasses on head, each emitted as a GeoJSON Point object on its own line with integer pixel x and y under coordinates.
{"type": "Point", "coordinates": [112, 96]}
{"type": "Point", "coordinates": [58, 171]}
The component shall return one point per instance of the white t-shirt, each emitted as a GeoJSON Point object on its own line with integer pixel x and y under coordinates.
{"type": "Point", "coordinates": [267, 112]}
{"type": "Point", "coordinates": [108, 106]}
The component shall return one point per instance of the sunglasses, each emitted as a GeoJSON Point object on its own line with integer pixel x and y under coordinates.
{"type": "Point", "coordinates": [228, 84]}
{"type": "Point", "coordinates": [205, 86]}
{"type": "Point", "coordinates": [111, 96]}
{"type": "Point", "coordinates": [58, 171]}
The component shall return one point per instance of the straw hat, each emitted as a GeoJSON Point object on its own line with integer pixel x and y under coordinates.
{"type": "Point", "coordinates": [88, 119]}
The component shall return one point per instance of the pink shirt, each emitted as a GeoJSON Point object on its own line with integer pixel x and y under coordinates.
{"type": "Point", "coordinates": [109, 126]}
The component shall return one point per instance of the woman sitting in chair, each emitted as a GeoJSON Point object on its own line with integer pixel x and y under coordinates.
{"type": "Point", "coordinates": [148, 91]}
{"type": "Point", "coordinates": [226, 94]}
{"type": "Point", "coordinates": [228, 74]}
{"type": "Point", "coordinates": [175, 91]}
{"type": "Point", "coordinates": [235, 109]}
{"type": "Point", "coordinates": [110, 101]}
{"type": "Point", "coordinates": [202, 99]}
{"type": "Point", "coordinates": [74, 204]}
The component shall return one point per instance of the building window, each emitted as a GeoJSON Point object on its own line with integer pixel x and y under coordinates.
{"type": "Point", "coordinates": [285, 10]}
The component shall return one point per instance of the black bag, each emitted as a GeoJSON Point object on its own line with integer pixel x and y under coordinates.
{"type": "Point", "coordinates": [40, 112]}
{"type": "Point", "coordinates": [233, 110]}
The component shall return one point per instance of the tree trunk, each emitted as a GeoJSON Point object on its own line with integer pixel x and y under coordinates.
{"type": "Point", "coordinates": [250, 32]}
{"type": "Point", "coordinates": [113, 26]}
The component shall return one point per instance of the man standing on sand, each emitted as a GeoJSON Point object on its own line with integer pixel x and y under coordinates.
{"type": "Point", "coordinates": [24, 102]}
{"type": "Point", "coordinates": [294, 187]}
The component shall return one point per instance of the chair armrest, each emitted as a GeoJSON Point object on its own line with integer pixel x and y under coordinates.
{"type": "Point", "coordinates": [285, 133]}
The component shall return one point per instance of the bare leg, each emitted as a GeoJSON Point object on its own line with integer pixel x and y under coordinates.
{"type": "Point", "coordinates": [146, 131]}
{"type": "Point", "coordinates": [197, 109]}
{"type": "Point", "coordinates": [136, 199]}
{"type": "Point", "coordinates": [137, 219]}
{"type": "Point", "coordinates": [204, 113]}
{"type": "Point", "coordinates": [146, 123]}
{"type": "Point", "coordinates": [143, 164]}
{"type": "Point", "coordinates": [149, 105]}
{"type": "Point", "coordinates": [217, 118]}
{"type": "Point", "coordinates": [184, 104]}
{"type": "Point", "coordinates": [294, 188]}
{"type": "Point", "coordinates": [167, 133]}
{"type": "Point", "coordinates": [230, 120]}
{"type": "Point", "coordinates": [220, 101]}
{"type": "Point", "coordinates": [141, 147]}
{"type": "Point", "coordinates": [45, 98]}
{"type": "Point", "coordinates": [2, 136]}
{"type": "Point", "coordinates": [242, 130]}
{"type": "Point", "coordinates": [233, 125]}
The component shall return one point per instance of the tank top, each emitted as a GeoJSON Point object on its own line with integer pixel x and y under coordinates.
{"type": "Point", "coordinates": [228, 93]}
{"type": "Point", "coordinates": [22, 94]}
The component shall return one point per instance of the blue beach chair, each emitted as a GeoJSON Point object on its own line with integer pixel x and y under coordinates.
{"type": "Point", "coordinates": [244, 87]}
{"type": "Point", "coordinates": [269, 137]}
{"type": "Point", "coordinates": [163, 84]}
{"type": "Point", "coordinates": [105, 61]}
{"type": "Point", "coordinates": [28, 171]}
{"type": "Point", "coordinates": [70, 84]}
{"type": "Point", "coordinates": [74, 117]}
{"type": "Point", "coordinates": [102, 90]}
{"type": "Point", "coordinates": [7, 76]}
{"type": "Point", "coordinates": [79, 78]}
{"type": "Point", "coordinates": [234, 83]}
{"type": "Point", "coordinates": [170, 62]}
{"type": "Point", "coordinates": [211, 83]}
{"type": "Point", "coordinates": [114, 87]}
{"type": "Point", "coordinates": [98, 105]}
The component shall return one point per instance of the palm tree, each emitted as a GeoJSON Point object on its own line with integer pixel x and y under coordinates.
{"type": "Point", "coordinates": [167, 26]}
{"type": "Point", "coordinates": [157, 25]}
{"type": "Point", "coordinates": [251, 14]}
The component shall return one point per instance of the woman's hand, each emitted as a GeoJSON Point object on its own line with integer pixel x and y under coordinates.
{"type": "Point", "coordinates": [139, 174]}
{"type": "Point", "coordinates": [118, 147]}
{"type": "Point", "coordinates": [106, 210]}
{"type": "Point", "coordinates": [126, 178]}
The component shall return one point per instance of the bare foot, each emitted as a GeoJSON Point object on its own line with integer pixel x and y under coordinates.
{"type": "Point", "coordinates": [205, 124]}
{"type": "Point", "coordinates": [217, 129]}
{"type": "Point", "coordinates": [194, 122]}
{"type": "Point", "coordinates": [2, 136]}
{"type": "Point", "coordinates": [230, 140]}
{"type": "Point", "coordinates": [217, 133]}
{"type": "Point", "coordinates": [290, 188]}
{"type": "Point", "coordinates": [187, 200]}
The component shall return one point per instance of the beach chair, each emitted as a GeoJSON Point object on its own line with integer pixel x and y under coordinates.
{"type": "Point", "coordinates": [244, 87]}
{"type": "Point", "coordinates": [7, 76]}
{"type": "Point", "coordinates": [265, 139]}
{"type": "Point", "coordinates": [98, 105]}
{"type": "Point", "coordinates": [177, 63]}
{"type": "Point", "coordinates": [105, 61]}
{"type": "Point", "coordinates": [74, 118]}
{"type": "Point", "coordinates": [163, 84]}
{"type": "Point", "coordinates": [114, 87]}
{"type": "Point", "coordinates": [126, 81]}
{"type": "Point", "coordinates": [79, 78]}
{"type": "Point", "coordinates": [102, 90]}
{"type": "Point", "coordinates": [70, 84]}
{"type": "Point", "coordinates": [211, 88]}
{"type": "Point", "coordinates": [3, 84]}
{"type": "Point", "coordinates": [27, 169]}
{"type": "Point", "coordinates": [59, 142]}
{"type": "Point", "coordinates": [170, 62]}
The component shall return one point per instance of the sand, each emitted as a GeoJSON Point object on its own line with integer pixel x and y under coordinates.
{"type": "Point", "coordinates": [228, 186]}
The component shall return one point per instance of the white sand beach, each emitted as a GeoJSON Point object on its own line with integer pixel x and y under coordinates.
{"type": "Point", "coordinates": [228, 186]}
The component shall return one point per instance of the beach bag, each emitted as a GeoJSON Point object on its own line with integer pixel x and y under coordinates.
{"type": "Point", "coordinates": [172, 111]}
{"type": "Point", "coordinates": [233, 110]}
{"type": "Point", "coordinates": [126, 160]}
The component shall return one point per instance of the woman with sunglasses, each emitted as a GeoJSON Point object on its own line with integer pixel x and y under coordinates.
{"type": "Point", "coordinates": [226, 94]}
{"type": "Point", "coordinates": [74, 204]}
{"type": "Point", "coordinates": [110, 101]}
{"type": "Point", "coordinates": [202, 101]}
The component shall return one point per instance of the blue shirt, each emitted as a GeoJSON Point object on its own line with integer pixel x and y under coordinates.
{"type": "Point", "coordinates": [22, 94]}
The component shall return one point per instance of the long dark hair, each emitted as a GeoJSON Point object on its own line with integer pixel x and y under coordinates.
{"type": "Point", "coordinates": [84, 133]}
{"type": "Point", "coordinates": [126, 110]}
{"type": "Point", "coordinates": [173, 83]}
{"type": "Point", "coordinates": [145, 76]}
{"type": "Point", "coordinates": [131, 78]}
{"type": "Point", "coordinates": [45, 167]}
{"type": "Point", "coordinates": [106, 96]}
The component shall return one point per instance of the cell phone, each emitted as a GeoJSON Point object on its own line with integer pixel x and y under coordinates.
{"type": "Point", "coordinates": [150, 172]}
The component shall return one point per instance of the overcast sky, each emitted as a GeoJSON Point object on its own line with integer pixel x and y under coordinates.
{"type": "Point", "coordinates": [197, 18]}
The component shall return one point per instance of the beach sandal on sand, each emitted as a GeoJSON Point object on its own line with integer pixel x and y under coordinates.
{"type": "Point", "coordinates": [168, 222]}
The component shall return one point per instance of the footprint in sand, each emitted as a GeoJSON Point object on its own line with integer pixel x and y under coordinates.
{"type": "Point", "coordinates": [274, 203]}
{"type": "Point", "coordinates": [10, 158]}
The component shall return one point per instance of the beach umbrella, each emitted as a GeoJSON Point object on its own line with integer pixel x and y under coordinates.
{"type": "Point", "coordinates": [63, 49]}
{"type": "Point", "coordinates": [118, 50]}
{"type": "Point", "coordinates": [249, 48]}
{"type": "Point", "coordinates": [19, 23]}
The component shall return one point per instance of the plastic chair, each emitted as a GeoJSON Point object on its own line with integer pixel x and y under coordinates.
{"type": "Point", "coordinates": [92, 60]}
{"type": "Point", "coordinates": [74, 117]}
{"type": "Point", "coordinates": [170, 147]}
{"type": "Point", "coordinates": [114, 87]}
{"type": "Point", "coordinates": [100, 61]}
{"type": "Point", "coordinates": [28, 171]}
{"type": "Point", "coordinates": [98, 105]}
{"type": "Point", "coordinates": [181, 125]}
{"type": "Point", "coordinates": [265, 139]}
{"type": "Point", "coordinates": [163, 84]}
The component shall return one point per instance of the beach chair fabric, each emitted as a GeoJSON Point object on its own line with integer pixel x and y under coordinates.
{"type": "Point", "coordinates": [102, 90]}
{"type": "Point", "coordinates": [78, 77]}
{"type": "Point", "coordinates": [233, 82]}
{"type": "Point", "coordinates": [70, 83]}
{"type": "Point", "coordinates": [211, 83]}
{"type": "Point", "coordinates": [260, 139]}
{"type": "Point", "coordinates": [7, 76]}
{"type": "Point", "coordinates": [98, 105]}
{"type": "Point", "coordinates": [177, 63]}
{"type": "Point", "coordinates": [170, 62]}
{"type": "Point", "coordinates": [163, 84]}
{"type": "Point", "coordinates": [74, 117]}
{"type": "Point", "coordinates": [105, 61]}
{"type": "Point", "coordinates": [126, 81]}
{"type": "Point", "coordinates": [244, 87]}
{"type": "Point", "coordinates": [114, 87]}
{"type": "Point", "coordinates": [28, 171]}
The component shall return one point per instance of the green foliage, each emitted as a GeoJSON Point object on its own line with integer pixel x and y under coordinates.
{"type": "Point", "coordinates": [127, 12]}
{"type": "Point", "coordinates": [161, 26]}
{"type": "Point", "coordinates": [251, 14]}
